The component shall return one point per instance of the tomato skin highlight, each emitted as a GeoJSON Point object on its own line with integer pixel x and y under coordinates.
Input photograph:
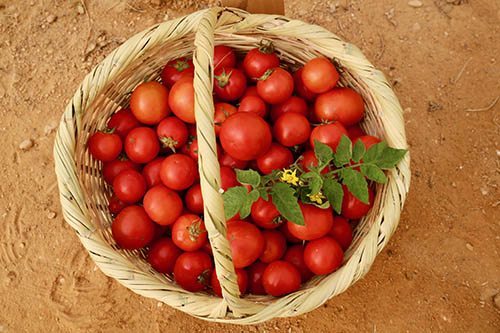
{"type": "Point", "coordinates": [142, 145]}
{"type": "Point", "coordinates": [277, 157]}
{"type": "Point", "coordinates": [281, 278]}
{"type": "Point", "coordinates": [246, 242]}
{"type": "Point", "coordinates": [149, 102]}
{"type": "Point", "coordinates": [319, 75]}
{"type": "Point", "coordinates": [323, 255]}
{"type": "Point", "coordinates": [163, 254]}
{"type": "Point", "coordinates": [192, 270]}
{"type": "Point", "coordinates": [318, 222]}
{"type": "Point", "coordinates": [132, 228]}
{"type": "Point", "coordinates": [340, 104]}
{"type": "Point", "coordinates": [162, 204]}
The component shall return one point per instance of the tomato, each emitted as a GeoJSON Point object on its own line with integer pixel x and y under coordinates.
{"type": "Point", "coordinates": [340, 104]}
{"type": "Point", "coordinates": [276, 158]}
{"type": "Point", "coordinates": [257, 61]}
{"type": "Point", "coordinates": [354, 132]}
{"type": "Point", "coordinates": [159, 232]}
{"type": "Point", "coordinates": [111, 169]}
{"type": "Point", "coordinates": [207, 249]}
{"type": "Point", "coordinates": [369, 140]}
{"type": "Point", "coordinates": [341, 231]}
{"type": "Point", "coordinates": [142, 145]}
{"type": "Point", "coordinates": [163, 205]}
{"type": "Point", "coordinates": [291, 129]}
{"type": "Point", "coordinates": [300, 88]}
{"type": "Point", "coordinates": [293, 104]}
{"type": "Point", "coordinates": [172, 133]}
{"type": "Point", "coordinates": [189, 233]}
{"type": "Point", "coordinates": [194, 199]}
{"type": "Point", "coordinates": [289, 237]}
{"type": "Point", "coordinates": [245, 136]}
{"type": "Point", "coordinates": [228, 178]}
{"type": "Point", "coordinates": [181, 100]}
{"type": "Point", "coordinates": [151, 172]}
{"type": "Point", "coordinates": [105, 146]}
{"type": "Point", "coordinates": [295, 255]}
{"type": "Point", "coordinates": [253, 104]}
{"type": "Point", "coordinates": [224, 56]}
{"type": "Point", "coordinates": [222, 111]}
{"type": "Point", "coordinates": [352, 207]}
{"type": "Point", "coordinates": [132, 228]}
{"type": "Point", "coordinates": [329, 134]}
{"type": "Point", "coordinates": [175, 70]}
{"type": "Point", "coordinates": [191, 149]}
{"type": "Point", "coordinates": [242, 279]}
{"type": "Point", "coordinates": [192, 270]}
{"type": "Point", "coordinates": [275, 86]}
{"type": "Point", "coordinates": [163, 254]}
{"type": "Point", "coordinates": [115, 205]}
{"type": "Point", "coordinates": [251, 91]}
{"type": "Point", "coordinates": [178, 171]}
{"type": "Point", "coordinates": [275, 246]}
{"type": "Point", "coordinates": [318, 222]}
{"type": "Point", "coordinates": [246, 241]}
{"type": "Point", "coordinates": [255, 272]}
{"type": "Point", "coordinates": [319, 75]}
{"type": "Point", "coordinates": [129, 186]}
{"type": "Point", "coordinates": [149, 102]}
{"type": "Point", "coordinates": [281, 278]}
{"type": "Point", "coordinates": [309, 160]}
{"type": "Point", "coordinates": [265, 215]}
{"type": "Point", "coordinates": [323, 255]}
{"type": "Point", "coordinates": [122, 122]}
{"type": "Point", "coordinates": [227, 160]}
{"type": "Point", "coordinates": [229, 83]}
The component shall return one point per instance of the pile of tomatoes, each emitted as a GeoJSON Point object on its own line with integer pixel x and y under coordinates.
{"type": "Point", "coordinates": [266, 118]}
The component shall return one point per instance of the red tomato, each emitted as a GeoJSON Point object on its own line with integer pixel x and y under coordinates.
{"type": "Point", "coordinates": [129, 186]}
{"type": "Point", "coordinates": [300, 88]}
{"type": "Point", "coordinates": [222, 112]}
{"type": "Point", "coordinates": [255, 272]}
{"type": "Point", "coordinates": [369, 140]}
{"type": "Point", "coordinates": [295, 255]}
{"type": "Point", "coordinates": [257, 61]}
{"type": "Point", "coordinates": [329, 134]}
{"type": "Point", "coordinates": [354, 132]}
{"type": "Point", "coordinates": [194, 199]}
{"type": "Point", "coordinates": [224, 56]}
{"type": "Point", "coordinates": [319, 75]}
{"type": "Point", "coordinates": [207, 249]}
{"type": "Point", "coordinates": [293, 104]}
{"type": "Point", "coordinates": [229, 83]}
{"type": "Point", "coordinates": [245, 136]}
{"type": "Point", "coordinates": [191, 149]}
{"type": "Point", "coordinates": [160, 230]}
{"type": "Point", "coordinates": [228, 178]}
{"type": "Point", "coordinates": [175, 70]}
{"type": "Point", "coordinates": [172, 132]}
{"type": "Point", "coordinates": [111, 169]}
{"type": "Point", "coordinates": [318, 222]}
{"type": "Point", "coordinates": [341, 231]}
{"type": "Point", "coordinates": [289, 237]}
{"type": "Point", "coordinates": [189, 233]}
{"type": "Point", "coordinates": [115, 205]}
{"type": "Point", "coordinates": [253, 104]}
{"type": "Point", "coordinates": [265, 215]}
{"type": "Point", "coordinates": [132, 228]}
{"type": "Point", "coordinates": [192, 270]}
{"type": "Point", "coordinates": [149, 102]}
{"type": "Point", "coordinates": [353, 208]}
{"type": "Point", "coordinates": [323, 255]}
{"type": "Point", "coordinates": [163, 205]}
{"type": "Point", "coordinates": [122, 122]}
{"type": "Point", "coordinates": [340, 104]}
{"type": "Point", "coordinates": [105, 146]}
{"type": "Point", "coordinates": [163, 254]}
{"type": "Point", "coordinates": [227, 160]}
{"type": "Point", "coordinates": [181, 100]}
{"type": "Point", "coordinates": [276, 158]}
{"type": "Point", "coordinates": [142, 145]}
{"type": "Point", "coordinates": [308, 160]}
{"type": "Point", "coordinates": [246, 241]}
{"type": "Point", "coordinates": [242, 279]}
{"type": "Point", "coordinates": [178, 171]}
{"type": "Point", "coordinates": [275, 246]}
{"type": "Point", "coordinates": [291, 129]}
{"type": "Point", "coordinates": [276, 86]}
{"type": "Point", "coordinates": [251, 91]}
{"type": "Point", "coordinates": [281, 278]}
{"type": "Point", "coordinates": [151, 172]}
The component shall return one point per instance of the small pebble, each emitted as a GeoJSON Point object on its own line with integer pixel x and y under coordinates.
{"type": "Point", "coordinates": [80, 9]}
{"type": "Point", "coordinates": [416, 26]}
{"type": "Point", "coordinates": [49, 129]}
{"type": "Point", "coordinates": [51, 215]}
{"type": "Point", "coordinates": [498, 153]}
{"type": "Point", "coordinates": [415, 3]}
{"type": "Point", "coordinates": [51, 18]}
{"type": "Point", "coordinates": [484, 191]}
{"type": "Point", "coordinates": [469, 247]}
{"type": "Point", "coordinates": [159, 304]}
{"type": "Point", "coordinates": [26, 144]}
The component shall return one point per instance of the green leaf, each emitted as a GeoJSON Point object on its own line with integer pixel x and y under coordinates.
{"type": "Point", "coordinates": [334, 193]}
{"type": "Point", "coordinates": [263, 193]}
{"type": "Point", "coordinates": [315, 184]}
{"type": "Point", "coordinates": [248, 202]}
{"type": "Point", "coordinates": [358, 151]}
{"type": "Point", "coordinates": [308, 175]}
{"type": "Point", "coordinates": [286, 203]}
{"type": "Point", "coordinates": [234, 198]}
{"type": "Point", "coordinates": [344, 151]}
{"type": "Point", "coordinates": [323, 153]}
{"type": "Point", "coordinates": [390, 157]}
{"type": "Point", "coordinates": [356, 184]}
{"type": "Point", "coordinates": [374, 173]}
{"type": "Point", "coordinates": [250, 177]}
{"type": "Point", "coordinates": [374, 152]}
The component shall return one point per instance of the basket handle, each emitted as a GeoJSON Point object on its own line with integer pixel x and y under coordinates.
{"type": "Point", "coordinates": [257, 6]}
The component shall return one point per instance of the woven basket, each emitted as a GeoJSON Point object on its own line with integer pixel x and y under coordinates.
{"type": "Point", "coordinates": [84, 194]}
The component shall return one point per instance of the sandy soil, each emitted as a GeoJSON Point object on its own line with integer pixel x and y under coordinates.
{"type": "Point", "coordinates": [441, 270]}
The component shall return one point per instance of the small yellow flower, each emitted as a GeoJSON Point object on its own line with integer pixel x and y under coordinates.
{"type": "Point", "coordinates": [290, 177]}
{"type": "Point", "coordinates": [317, 197]}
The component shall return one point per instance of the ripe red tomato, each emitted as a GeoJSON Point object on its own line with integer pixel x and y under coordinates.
{"type": "Point", "coordinates": [149, 102]}
{"type": "Point", "coordinates": [293, 104]}
{"type": "Point", "coordinates": [172, 132]}
{"type": "Point", "coordinates": [122, 122]}
{"type": "Point", "coordinates": [178, 172]}
{"type": "Point", "coordinates": [257, 61]}
{"type": "Point", "coordinates": [340, 104]}
{"type": "Point", "coordinates": [354, 132]}
{"type": "Point", "coordinates": [291, 129]}
{"type": "Point", "coordinates": [242, 279]}
{"type": "Point", "coordinates": [246, 241]}
{"type": "Point", "coordinates": [265, 215]}
{"type": "Point", "coordinates": [319, 75]}
{"type": "Point", "coordinates": [160, 231]}
{"type": "Point", "coordinates": [275, 86]}
{"type": "Point", "coordinates": [228, 178]}
{"type": "Point", "coordinates": [192, 270]}
{"type": "Point", "coordinates": [369, 140]}
{"type": "Point", "coordinates": [132, 228]}
{"type": "Point", "coordinates": [245, 136]}
{"type": "Point", "coordinates": [189, 233]}
{"type": "Point", "coordinates": [222, 112]}
{"type": "Point", "coordinates": [163, 254]}
{"type": "Point", "coordinates": [295, 255]}
{"type": "Point", "coordinates": [276, 158]}
{"type": "Point", "coordinates": [227, 160]}
{"type": "Point", "coordinates": [207, 249]}
{"type": "Point", "coordinates": [251, 91]}
{"type": "Point", "coordinates": [105, 146]}
{"type": "Point", "coordinates": [353, 208]}
{"type": "Point", "coordinates": [181, 100]}
{"type": "Point", "coordinates": [194, 199]}
{"type": "Point", "coordinates": [142, 145]}
{"type": "Point", "coordinates": [341, 231]}
{"type": "Point", "coordinates": [111, 169]}
{"type": "Point", "coordinates": [323, 255]}
{"type": "Point", "coordinates": [281, 278]}
{"type": "Point", "coordinates": [229, 83]}
{"type": "Point", "coordinates": [308, 160]}
{"type": "Point", "coordinates": [129, 186]}
{"type": "Point", "coordinates": [191, 149]}
{"type": "Point", "coordinates": [255, 272]}
{"type": "Point", "coordinates": [175, 70]}
{"type": "Point", "coordinates": [329, 134]}
{"type": "Point", "coordinates": [151, 172]}
{"type": "Point", "coordinates": [163, 205]}
{"type": "Point", "coordinates": [318, 222]}
{"type": "Point", "coordinates": [300, 88]}
{"type": "Point", "coordinates": [224, 56]}
{"type": "Point", "coordinates": [289, 237]}
{"type": "Point", "coordinates": [253, 104]}
{"type": "Point", "coordinates": [275, 246]}
{"type": "Point", "coordinates": [115, 205]}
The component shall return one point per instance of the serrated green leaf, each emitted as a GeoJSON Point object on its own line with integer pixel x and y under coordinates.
{"type": "Point", "coordinates": [315, 184]}
{"type": "Point", "coordinates": [286, 203]}
{"type": "Point", "coordinates": [374, 152]}
{"type": "Point", "coordinates": [343, 153]}
{"type": "Point", "coordinates": [308, 175]}
{"type": "Point", "coordinates": [390, 157]}
{"type": "Point", "coordinates": [248, 202]}
{"type": "Point", "coordinates": [323, 153]}
{"type": "Point", "coordinates": [356, 184]}
{"type": "Point", "coordinates": [250, 177]}
{"type": "Point", "coordinates": [334, 193]}
{"type": "Point", "coordinates": [234, 198]}
{"type": "Point", "coordinates": [263, 193]}
{"type": "Point", "coordinates": [358, 151]}
{"type": "Point", "coordinates": [374, 173]}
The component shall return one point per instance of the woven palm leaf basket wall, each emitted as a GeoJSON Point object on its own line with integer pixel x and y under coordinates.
{"type": "Point", "coordinates": [105, 90]}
